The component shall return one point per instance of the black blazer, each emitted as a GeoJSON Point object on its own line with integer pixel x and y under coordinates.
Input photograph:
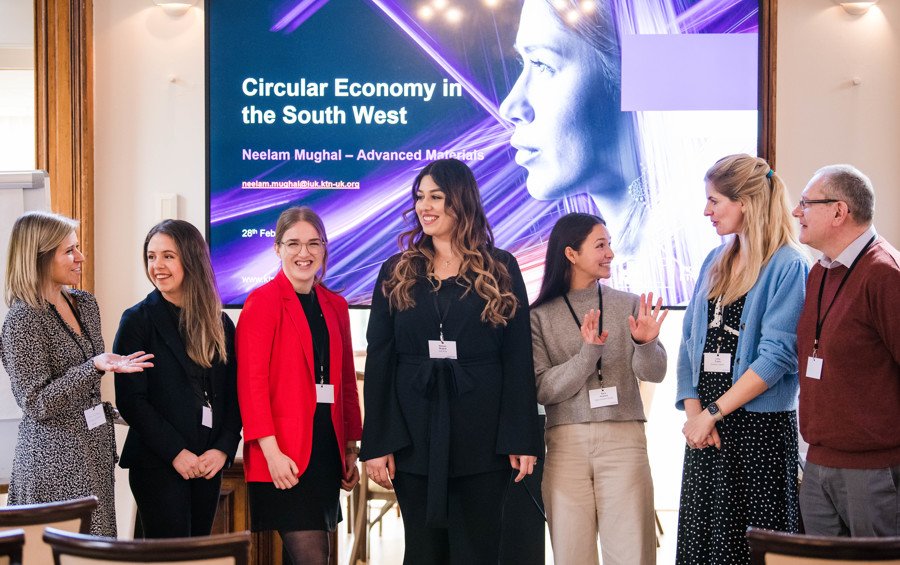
{"type": "Point", "coordinates": [163, 405]}
{"type": "Point", "coordinates": [490, 410]}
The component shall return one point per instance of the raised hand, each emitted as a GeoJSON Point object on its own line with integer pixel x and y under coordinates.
{"type": "Point", "coordinates": [646, 327]}
{"type": "Point", "coordinates": [589, 328]}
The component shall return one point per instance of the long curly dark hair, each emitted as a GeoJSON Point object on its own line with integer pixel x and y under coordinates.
{"type": "Point", "coordinates": [472, 239]}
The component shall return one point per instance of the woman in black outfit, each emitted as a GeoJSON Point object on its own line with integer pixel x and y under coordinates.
{"type": "Point", "coordinates": [450, 393]}
{"type": "Point", "coordinates": [183, 413]}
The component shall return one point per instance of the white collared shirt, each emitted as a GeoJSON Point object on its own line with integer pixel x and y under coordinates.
{"type": "Point", "coordinates": [848, 255]}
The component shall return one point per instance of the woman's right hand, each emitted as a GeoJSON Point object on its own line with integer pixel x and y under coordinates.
{"type": "Point", "coordinates": [134, 363]}
{"type": "Point", "coordinates": [186, 463]}
{"type": "Point", "coordinates": [589, 329]}
{"type": "Point", "coordinates": [381, 470]}
{"type": "Point", "coordinates": [281, 467]}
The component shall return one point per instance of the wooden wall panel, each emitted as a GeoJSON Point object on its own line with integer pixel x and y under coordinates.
{"type": "Point", "coordinates": [64, 102]}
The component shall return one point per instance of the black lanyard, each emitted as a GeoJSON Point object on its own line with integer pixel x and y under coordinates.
{"type": "Point", "coordinates": [441, 315]}
{"type": "Point", "coordinates": [820, 319]}
{"type": "Point", "coordinates": [72, 333]}
{"type": "Point", "coordinates": [599, 326]}
{"type": "Point", "coordinates": [319, 346]}
{"type": "Point", "coordinates": [199, 377]}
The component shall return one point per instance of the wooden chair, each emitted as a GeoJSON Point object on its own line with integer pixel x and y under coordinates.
{"type": "Point", "coordinates": [80, 549]}
{"type": "Point", "coordinates": [71, 515]}
{"type": "Point", "coordinates": [11, 542]}
{"type": "Point", "coordinates": [780, 548]}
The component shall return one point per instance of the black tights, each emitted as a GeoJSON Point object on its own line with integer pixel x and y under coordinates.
{"type": "Point", "coordinates": [307, 547]}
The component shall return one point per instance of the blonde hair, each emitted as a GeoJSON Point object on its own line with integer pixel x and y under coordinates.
{"type": "Point", "coordinates": [200, 322]}
{"type": "Point", "coordinates": [32, 245]}
{"type": "Point", "coordinates": [767, 223]}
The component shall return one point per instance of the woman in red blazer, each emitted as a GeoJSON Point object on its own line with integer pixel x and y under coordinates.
{"type": "Point", "coordinates": [297, 393]}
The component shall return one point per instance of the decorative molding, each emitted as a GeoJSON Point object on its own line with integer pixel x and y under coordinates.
{"type": "Point", "coordinates": [768, 36]}
{"type": "Point", "coordinates": [64, 113]}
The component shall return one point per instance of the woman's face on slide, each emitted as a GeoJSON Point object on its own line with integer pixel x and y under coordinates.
{"type": "Point", "coordinates": [164, 267]}
{"type": "Point", "coordinates": [560, 106]}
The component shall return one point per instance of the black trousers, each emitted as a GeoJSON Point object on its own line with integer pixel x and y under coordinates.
{"type": "Point", "coordinates": [475, 512]}
{"type": "Point", "coordinates": [171, 507]}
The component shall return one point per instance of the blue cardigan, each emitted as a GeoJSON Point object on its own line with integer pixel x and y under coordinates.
{"type": "Point", "coordinates": [768, 340]}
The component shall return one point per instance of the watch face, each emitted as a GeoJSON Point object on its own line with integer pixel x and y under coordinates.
{"type": "Point", "coordinates": [713, 408]}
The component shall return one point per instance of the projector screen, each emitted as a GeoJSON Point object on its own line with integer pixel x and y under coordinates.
{"type": "Point", "coordinates": [615, 108]}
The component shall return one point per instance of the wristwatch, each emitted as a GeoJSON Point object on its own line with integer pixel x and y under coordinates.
{"type": "Point", "coordinates": [715, 411]}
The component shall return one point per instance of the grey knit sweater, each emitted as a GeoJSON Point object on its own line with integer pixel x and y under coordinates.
{"type": "Point", "coordinates": [565, 366]}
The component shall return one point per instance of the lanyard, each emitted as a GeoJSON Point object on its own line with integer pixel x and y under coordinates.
{"type": "Point", "coordinates": [72, 333]}
{"type": "Point", "coordinates": [196, 374]}
{"type": "Point", "coordinates": [319, 346]}
{"type": "Point", "coordinates": [599, 326]}
{"type": "Point", "coordinates": [820, 319]}
{"type": "Point", "coordinates": [441, 315]}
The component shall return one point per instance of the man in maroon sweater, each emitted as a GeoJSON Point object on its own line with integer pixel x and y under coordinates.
{"type": "Point", "coordinates": [848, 340]}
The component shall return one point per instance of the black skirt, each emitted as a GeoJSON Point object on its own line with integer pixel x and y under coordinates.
{"type": "Point", "coordinates": [314, 502]}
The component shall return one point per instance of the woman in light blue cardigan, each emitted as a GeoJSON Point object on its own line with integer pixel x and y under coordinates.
{"type": "Point", "coordinates": [737, 369]}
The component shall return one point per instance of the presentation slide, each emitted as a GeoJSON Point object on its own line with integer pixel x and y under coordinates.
{"type": "Point", "coordinates": [611, 107]}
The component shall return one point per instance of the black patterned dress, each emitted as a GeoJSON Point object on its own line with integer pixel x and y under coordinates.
{"type": "Point", "coordinates": [751, 481]}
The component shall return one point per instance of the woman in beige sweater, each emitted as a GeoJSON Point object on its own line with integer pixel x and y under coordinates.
{"type": "Point", "coordinates": [592, 344]}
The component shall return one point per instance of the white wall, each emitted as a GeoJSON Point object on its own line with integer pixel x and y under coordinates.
{"type": "Point", "coordinates": [822, 118]}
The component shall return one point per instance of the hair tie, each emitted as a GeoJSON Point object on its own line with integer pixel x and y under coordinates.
{"type": "Point", "coordinates": [770, 173]}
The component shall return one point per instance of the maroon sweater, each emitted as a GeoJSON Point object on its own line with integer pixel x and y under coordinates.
{"type": "Point", "coordinates": [851, 416]}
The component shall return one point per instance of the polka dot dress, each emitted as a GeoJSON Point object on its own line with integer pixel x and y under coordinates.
{"type": "Point", "coordinates": [751, 481]}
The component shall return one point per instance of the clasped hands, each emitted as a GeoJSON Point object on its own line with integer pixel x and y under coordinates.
{"type": "Point", "coordinates": [700, 428]}
{"type": "Point", "coordinates": [206, 465]}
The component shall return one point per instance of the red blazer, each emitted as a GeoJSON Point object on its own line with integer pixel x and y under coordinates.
{"type": "Point", "coordinates": [276, 385]}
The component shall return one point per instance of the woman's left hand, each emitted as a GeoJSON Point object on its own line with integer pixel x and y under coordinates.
{"type": "Point", "coordinates": [649, 320]}
{"type": "Point", "coordinates": [351, 472]}
{"type": "Point", "coordinates": [211, 462]}
{"type": "Point", "coordinates": [524, 464]}
{"type": "Point", "coordinates": [700, 431]}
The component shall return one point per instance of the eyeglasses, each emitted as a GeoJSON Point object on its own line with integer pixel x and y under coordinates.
{"type": "Point", "coordinates": [294, 247]}
{"type": "Point", "coordinates": [804, 204]}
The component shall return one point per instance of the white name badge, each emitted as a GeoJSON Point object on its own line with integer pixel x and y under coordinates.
{"type": "Point", "coordinates": [717, 362]}
{"type": "Point", "coordinates": [95, 417]}
{"type": "Point", "coordinates": [814, 367]}
{"type": "Point", "coordinates": [325, 394]}
{"type": "Point", "coordinates": [206, 417]}
{"type": "Point", "coordinates": [606, 396]}
{"type": "Point", "coordinates": [441, 349]}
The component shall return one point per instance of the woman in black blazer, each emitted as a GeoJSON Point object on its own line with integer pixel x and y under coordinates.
{"type": "Point", "coordinates": [450, 391]}
{"type": "Point", "coordinates": [183, 414]}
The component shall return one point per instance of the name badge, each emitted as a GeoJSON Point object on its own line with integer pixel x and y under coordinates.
{"type": "Point", "coordinates": [814, 367]}
{"type": "Point", "coordinates": [606, 396]}
{"type": "Point", "coordinates": [206, 417]}
{"type": "Point", "coordinates": [717, 362]}
{"type": "Point", "coordinates": [95, 417]}
{"type": "Point", "coordinates": [325, 394]}
{"type": "Point", "coordinates": [441, 349]}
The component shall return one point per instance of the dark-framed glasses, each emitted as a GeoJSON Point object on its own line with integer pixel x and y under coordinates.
{"type": "Point", "coordinates": [804, 204]}
{"type": "Point", "coordinates": [313, 246]}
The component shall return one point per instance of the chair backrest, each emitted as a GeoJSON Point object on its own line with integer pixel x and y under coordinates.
{"type": "Point", "coordinates": [11, 542]}
{"type": "Point", "coordinates": [71, 515]}
{"type": "Point", "coordinates": [780, 548]}
{"type": "Point", "coordinates": [80, 549]}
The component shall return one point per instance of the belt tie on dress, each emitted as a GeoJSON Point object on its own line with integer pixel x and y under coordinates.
{"type": "Point", "coordinates": [438, 380]}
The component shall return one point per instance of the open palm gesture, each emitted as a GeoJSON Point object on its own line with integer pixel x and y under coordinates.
{"type": "Point", "coordinates": [646, 327]}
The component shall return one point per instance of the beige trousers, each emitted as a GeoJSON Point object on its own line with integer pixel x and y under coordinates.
{"type": "Point", "coordinates": [597, 482]}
